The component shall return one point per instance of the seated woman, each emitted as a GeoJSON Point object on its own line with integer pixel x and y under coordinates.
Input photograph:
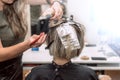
{"type": "Point", "coordinates": [64, 43]}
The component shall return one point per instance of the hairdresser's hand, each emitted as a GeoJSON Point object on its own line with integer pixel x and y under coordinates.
{"type": "Point", "coordinates": [37, 40]}
{"type": "Point", "coordinates": [55, 11]}
{"type": "Point", "coordinates": [58, 11]}
{"type": "Point", "coordinates": [49, 11]}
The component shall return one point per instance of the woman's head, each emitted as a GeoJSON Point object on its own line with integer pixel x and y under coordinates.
{"type": "Point", "coordinates": [14, 11]}
{"type": "Point", "coordinates": [64, 49]}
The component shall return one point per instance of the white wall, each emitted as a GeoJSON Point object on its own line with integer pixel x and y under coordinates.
{"type": "Point", "coordinates": [81, 9]}
{"type": "Point", "coordinates": [96, 15]}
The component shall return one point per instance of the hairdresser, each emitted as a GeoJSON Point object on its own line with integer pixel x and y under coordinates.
{"type": "Point", "coordinates": [13, 29]}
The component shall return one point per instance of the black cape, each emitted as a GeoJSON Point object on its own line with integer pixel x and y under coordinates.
{"type": "Point", "coordinates": [69, 71]}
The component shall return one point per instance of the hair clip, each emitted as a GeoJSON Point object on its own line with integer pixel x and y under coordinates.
{"type": "Point", "coordinates": [48, 46]}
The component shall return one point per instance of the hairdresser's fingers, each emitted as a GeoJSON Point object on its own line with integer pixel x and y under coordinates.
{"type": "Point", "coordinates": [44, 38]}
{"type": "Point", "coordinates": [33, 37]}
{"type": "Point", "coordinates": [41, 40]}
{"type": "Point", "coordinates": [34, 40]}
{"type": "Point", "coordinates": [57, 14]}
{"type": "Point", "coordinates": [49, 11]}
{"type": "Point", "coordinates": [58, 11]}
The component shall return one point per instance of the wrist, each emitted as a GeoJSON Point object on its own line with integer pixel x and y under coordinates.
{"type": "Point", "coordinates": [27, 44]}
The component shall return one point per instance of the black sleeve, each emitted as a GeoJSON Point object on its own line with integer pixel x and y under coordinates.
{"type": "Point", "coordinates": [93, 75]}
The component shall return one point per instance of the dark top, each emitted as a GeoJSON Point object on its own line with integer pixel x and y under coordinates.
{"type": "Point", "coordinates": [10, 69]}
{"type": "Point", "coordinates": [69, 71]}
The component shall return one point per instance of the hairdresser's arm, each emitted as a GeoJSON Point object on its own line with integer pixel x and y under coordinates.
{"type": "Point", "coordinates": [13, 51]}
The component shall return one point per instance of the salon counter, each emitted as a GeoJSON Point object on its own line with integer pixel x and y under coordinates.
{"type": "Point", "coordinates": [42, 56]}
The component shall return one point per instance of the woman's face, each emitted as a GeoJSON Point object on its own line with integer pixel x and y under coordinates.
{"type": "Point", "coordinates": [7, 1]}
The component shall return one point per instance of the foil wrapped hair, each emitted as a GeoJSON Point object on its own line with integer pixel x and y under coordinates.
{"type": "Point", "coordinates": [68, 35]}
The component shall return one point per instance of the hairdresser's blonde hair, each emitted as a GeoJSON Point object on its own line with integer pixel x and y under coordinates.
{"type": "Point", "coordinates": [58, 50]}
{"type": "Point", "coordinates": [15, 15]}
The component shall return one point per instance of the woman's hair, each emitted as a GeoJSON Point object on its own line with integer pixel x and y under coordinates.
{"type": "Point", "coordinates": [57, 49]}
{"type": "Point", "coordinates": [15, 15]}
